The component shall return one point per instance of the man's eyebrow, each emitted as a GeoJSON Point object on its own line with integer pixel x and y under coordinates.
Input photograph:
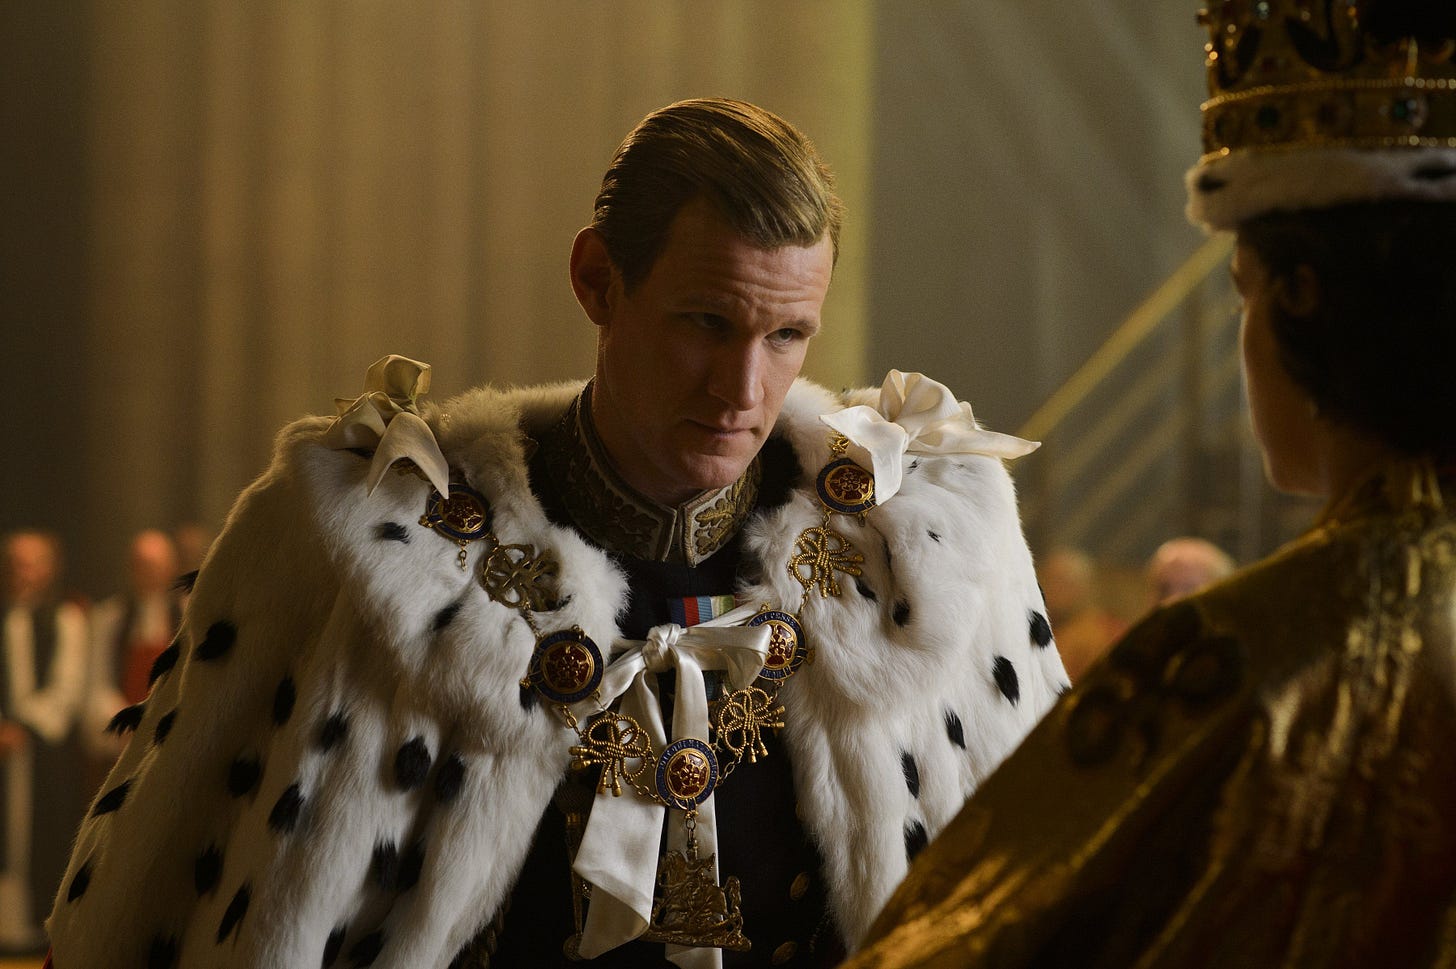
{"type": "Point", "coordinates": [709, 300]}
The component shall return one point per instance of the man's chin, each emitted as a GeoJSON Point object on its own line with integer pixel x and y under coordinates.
{"type": "Point", "coordinates": [713, 473]}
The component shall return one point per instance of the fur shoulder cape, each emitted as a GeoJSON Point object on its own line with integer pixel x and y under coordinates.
{"type": "Point", "coordinates": [335, 759]}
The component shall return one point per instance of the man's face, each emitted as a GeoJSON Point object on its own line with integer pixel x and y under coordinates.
{"type": "Point", "coordinates": [153, 564]}
{"type": "Point", "coordinates": [30, 568]}
{"type": "Point", "coordinates": [694, 363]}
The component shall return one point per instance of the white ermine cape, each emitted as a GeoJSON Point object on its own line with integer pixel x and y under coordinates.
{"type": "Point", "coordinates": [335, 758]}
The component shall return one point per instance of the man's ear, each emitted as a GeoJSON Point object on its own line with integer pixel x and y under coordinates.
{"type": "Point", "coordinates": [592, 275]}
{"type": "Point", "coordinates": [1299, 293]}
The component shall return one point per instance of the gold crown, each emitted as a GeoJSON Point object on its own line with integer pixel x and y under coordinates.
{"type": "Point", "coordinates": [1309, 74]}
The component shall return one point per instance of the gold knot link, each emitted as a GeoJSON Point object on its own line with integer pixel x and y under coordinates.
{"type": "Point", "coordinates": [821, 552]}
{"type": "Point", "coordinates": [516, 576]}
{"type": "Point", "coordinates": [610, 741]}
{"type": "Point", "coordinates": [742, 718]}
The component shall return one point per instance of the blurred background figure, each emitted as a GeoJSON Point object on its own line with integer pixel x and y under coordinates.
{"type": "Point", "coordinates": [1082, 627]}
{"type": "Point", "coordinates": [128, 632]}
{"type": "Point", "coordinates": [42, 672]}
{"type": "Point", "coordinates": [1182, 566]}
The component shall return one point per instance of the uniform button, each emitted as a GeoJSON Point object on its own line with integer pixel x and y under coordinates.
{"type": "Point", "coordinates": [784, 953]}
{"type": "Point", "coordinates": [800, 886]}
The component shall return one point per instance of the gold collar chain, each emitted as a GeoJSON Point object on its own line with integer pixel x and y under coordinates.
{"type": "Point", "coordinates": [566, 667]}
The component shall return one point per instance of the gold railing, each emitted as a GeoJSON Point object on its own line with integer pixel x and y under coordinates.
{"type": "Point", "coordinates": [1147, 438]}
{"type": "Point", "coordinates": [1153, 312]}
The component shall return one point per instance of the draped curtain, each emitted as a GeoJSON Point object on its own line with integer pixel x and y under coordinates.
{"type": "Point", "coordinates": [219, 213]}
{"type": "Point", "coordinates": [281, 191]}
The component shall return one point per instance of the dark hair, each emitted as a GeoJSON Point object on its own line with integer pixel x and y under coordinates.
{"type": "Point", "coordinates": [1379, 353]}
{"type": "Point", "coordinates": [762, 174]}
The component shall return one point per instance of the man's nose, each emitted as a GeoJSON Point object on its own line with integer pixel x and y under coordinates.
{"type": "Point", "coordinates": [736, 376]}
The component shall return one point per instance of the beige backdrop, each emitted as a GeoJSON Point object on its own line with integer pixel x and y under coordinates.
{"type": "Point", "coordinates": [219, 212]}
{"type": "Point", "coordinates": [284, 191]}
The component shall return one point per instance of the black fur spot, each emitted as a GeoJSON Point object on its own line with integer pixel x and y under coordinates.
{"type": "Point", "coordinates": [1434, 173]}
{"type": "Point", "coordinates": [915, 839]}
{"type": "Point", "coordinates": [1041, 630]}
{"type": "Point", "coordinates": [127, 720]}
{"type": "Point", "coordinates": [243, 775]}
{"type": "Point", "coordinates": [164, 662]}
{"type": "Point", "coordinates": [185, 582]}
{"type": "Point", "coordinates": [333, 946]}
{"type": "Point", "coordinates": [901, 615]}
{"type": "Point", "coordinates": [80, 881]}
{"type": "Point", "coordinates": [333, 732]}
{"type": "Point", "coordinates": [284, 816]}
{"type": "Point", "coordinates": [449, 779]}
{"type": "Point", "coordinates": [914, 465]}
{"type": "Point", "coordinates": [446, 615]}
{"type": "Point", "coordinates": [112, 799]}
{"type": "Point", "coordinates": [391, 532]}
{"type": "Point", "coordinates": [207, 870]}
{"type": "Point", "coordinates": [954, 730]}
{"type": "Point", "coordinates": [1064, 689]}
{"type": "Point", "coordinates": [236, 909]}
{"type": "Point", "coordinates": [162, 953]}
{"type": "Point", "coordinates": [283, 700]}
{"type": "Point", "coordinates": [912, 773]}
{"type": "Point", "coordinates": [528, 698]}
{"type": "Point", "coordinates": [1006, 679]}
{"type": "Point", "coordinates": [411, 864]}
{"type": "Point", "coordinates": [889, 559]}
{"type": "Point", "coordinates": [384, 866]}
{"type": "Point", "coordinates": [367, 949]}
{"type": "Point", "coordinates": [412, 764]}
{"type": "Point", "coordinates": [1208, 183]}
{"type": "Point", "coordinates": [934, 536]}
{"type": "Point", "coordinates": [865, 590]}
{"type": "Point", "coordinates": [219, 639]}
{"type": "Point", "coordinates": [164, 727]}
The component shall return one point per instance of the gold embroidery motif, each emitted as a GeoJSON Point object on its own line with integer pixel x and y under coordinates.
{"type": "Point", "coordinates": [616, 517]}
{"type": "Point", "coordinates": [718, 522]}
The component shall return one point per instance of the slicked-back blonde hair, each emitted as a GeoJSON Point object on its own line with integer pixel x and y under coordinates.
{"type": "Point", "coordinates": [761, 174]}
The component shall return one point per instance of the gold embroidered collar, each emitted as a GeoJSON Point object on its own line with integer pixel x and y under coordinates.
{"type": "Point", "coordinates": [615, 516]}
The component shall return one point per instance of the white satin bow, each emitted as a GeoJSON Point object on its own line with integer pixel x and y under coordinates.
{"type": "Point", "coordinates": [386, 417]}
{"type": "Point", "coordinates": [916, 415]}
{"type": "Point", "coordinates": [619, 850]}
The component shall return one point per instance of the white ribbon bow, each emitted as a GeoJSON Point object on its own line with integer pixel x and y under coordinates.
{"type": "Point", "coordinates": [386, 417]}
{"type": "Point", "coordinates": [916, 415]}
{"type": "Point", "coordinates": [619, 850]}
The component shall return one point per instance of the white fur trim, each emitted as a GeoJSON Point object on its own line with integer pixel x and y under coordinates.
{"type": "Point", "coordinates": [1227, 190]}
{"type": "Point", "coordinates": [340, 592]}
{"type": "Point", "coordinates": [947, 588]}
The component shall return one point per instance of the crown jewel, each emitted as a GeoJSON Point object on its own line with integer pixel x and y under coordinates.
{"type": "Point", "coordinates": [1315, 73]}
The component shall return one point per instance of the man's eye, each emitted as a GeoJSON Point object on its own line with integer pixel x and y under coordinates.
{"type": "Point", "coordinates": [786, 336]}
